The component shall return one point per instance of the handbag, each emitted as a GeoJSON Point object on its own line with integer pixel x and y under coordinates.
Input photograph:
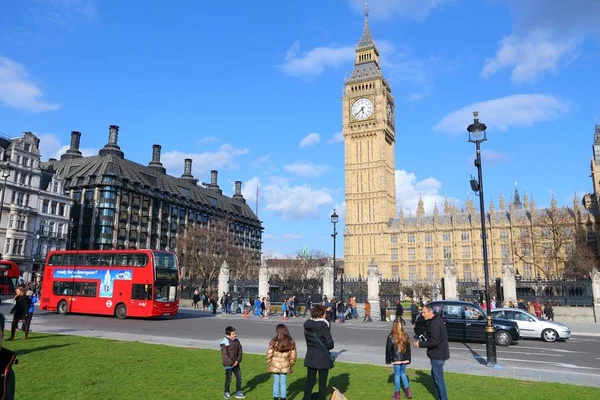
{"type": "Point", "coordinates": [331, 356]}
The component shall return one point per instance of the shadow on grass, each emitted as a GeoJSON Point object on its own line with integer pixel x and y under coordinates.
{"type": "Point", "coordinates": [295, 391]}
{"type": "Point", "coordinates": [256, 381]}
{"type": "Point", "coordinates": [425, 380]}
{"type": "Point", "coordinates": [41, 348]}
{"type": "Point", "coordinates": [341, 382]}
{"type": "Point", "coordinates": [480, 359]}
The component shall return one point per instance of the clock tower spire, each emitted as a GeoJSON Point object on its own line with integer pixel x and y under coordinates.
{"type": "Point", "coordinates": [369, 136]}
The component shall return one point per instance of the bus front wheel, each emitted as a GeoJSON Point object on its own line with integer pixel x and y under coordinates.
{"type": "Point", "coordinates": [121, 311]}
{"type": "Point", "coordinates": [63, 307]}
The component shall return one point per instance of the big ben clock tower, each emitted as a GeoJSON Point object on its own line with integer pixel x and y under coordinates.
{"type": "Point", "coordinates": [369, 135]}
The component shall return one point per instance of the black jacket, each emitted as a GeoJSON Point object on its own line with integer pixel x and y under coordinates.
{"type": "Point", "coordinates": [399, 310]}
{"type": "Point", "coordinates": [231, 351]}
{"type": "Point", "coordinates": [7, 360]}
{"type": "Point", "coordinates": [392, 353]}
{"type": "Point", "coordinates": [21, 308]}
{"type": "Point", "coordinates": [317, 354]}
{"type": "Point", "coordinates": [437, 339]}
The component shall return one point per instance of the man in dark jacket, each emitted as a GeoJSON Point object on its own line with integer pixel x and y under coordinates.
{"type": "Point", "coordinates": [382, 309]}
{"type": "Point", "coordinates": [400, 311]}
{"type": "Point", "coordinates": [318, 343]}
{"type": "Point", "coordinates": [438, 351]}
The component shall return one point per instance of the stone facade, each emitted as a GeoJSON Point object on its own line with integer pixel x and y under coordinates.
{"type": "Point", "coordinates": [417, 248]}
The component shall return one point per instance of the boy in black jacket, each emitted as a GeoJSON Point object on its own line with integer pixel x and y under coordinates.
{"type": "Point", "coordinates": [231, 354]}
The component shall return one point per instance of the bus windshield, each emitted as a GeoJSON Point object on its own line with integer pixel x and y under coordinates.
{"type": "Point", "coordinates": [167, 279]}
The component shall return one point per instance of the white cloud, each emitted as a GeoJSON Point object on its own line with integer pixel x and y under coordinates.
{"type": "Point", "coordinates": [547, 35]}
{"type": "Point", "coordinates": [249, 191]}
{"type": "Point", "coordinates": [208, 139]}
{"type": "Point", "coordinates": [292, 236]}
{"type": "Point", "coordinates": [310, 139]}
{"type": "Point", "coordinates": [306, 169]}
{"type": "Point", "coordinates": [224, 157]}
{"type": "Point", "coordinates": [51, 147]}
{"type": "Point", "coordinates": [519, 110]}
{"type": "Point", "coordinates": [530, 57]}
{"type": "Point", "coordinates": [337, 138]}
{"type": "Point", "coordinates": [409, 190]}
{"type": "Point", "coordinates": [313, 63]}
{"type": "Point", "coordinates": [66, 12]}
{"type": "Point", "coordinates": [295, 202]}
{"type": "Point", "coordinates": [415, 9]}
{"type": "Point", "coordinates": [17, 90]}
{"type": "Point", "coordinates": [340, 210]}
{"type": "Point", "coordinates": [262, 161]}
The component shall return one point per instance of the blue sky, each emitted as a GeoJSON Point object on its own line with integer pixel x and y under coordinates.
{"type": "Point", "coordinates": [253, 89]}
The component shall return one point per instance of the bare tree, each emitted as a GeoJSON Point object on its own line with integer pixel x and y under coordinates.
{"type": "Point", "coordinates": [303, 264]}
{"type": "Point", "coordinates": [581, 256]}
{"type": "Point", "coordinates": [546, 242]}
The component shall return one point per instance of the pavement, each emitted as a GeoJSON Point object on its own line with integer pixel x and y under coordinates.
{"type": "Point", "coordinates": [574, 361]}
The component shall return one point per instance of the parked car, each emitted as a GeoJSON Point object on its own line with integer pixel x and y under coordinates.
{"type": "Point", "coordinates": [465, 322]}
{"type": "Point", "coordinates": [532, 326]}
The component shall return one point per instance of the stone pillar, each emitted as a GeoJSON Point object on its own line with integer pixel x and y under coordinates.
{"type": "Point", "coordinates": [328, 280]}
{"type": "Point", "coordinates": [263, 280]}
{"type": "Point", "coordinates": [223, 279]}
{"type": "Point", "coordinates": [450, 280]}
{"type": "Point", "coordinates": [509, 283]}
{"type": "Point", "coordinates": [595, 275]}
{"type": "Point", "coordinates": [373, 285]}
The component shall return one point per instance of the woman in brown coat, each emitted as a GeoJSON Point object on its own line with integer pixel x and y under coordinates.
{"type": "Point", "coordinates": [281, 358]}
{"type": "Point", "coordinates": [367, 311]}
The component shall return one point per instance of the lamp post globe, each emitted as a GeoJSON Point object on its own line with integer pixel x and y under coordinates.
{"type": "Point", "coordinates": [477, 135]}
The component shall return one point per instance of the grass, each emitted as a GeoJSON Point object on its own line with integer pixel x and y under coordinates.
{"type": "Point", "coordinates": [72, 367]}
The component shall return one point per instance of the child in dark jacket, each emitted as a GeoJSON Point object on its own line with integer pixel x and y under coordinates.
{"type": "Point", "coordinates": [231, 354]}
{"type": "Point", "coordinates": [397, 353]}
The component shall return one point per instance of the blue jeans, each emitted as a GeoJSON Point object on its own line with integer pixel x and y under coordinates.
{"type": "Point", "coordinates": [437, 374]}
{"type": "Point", "coordinates": [400, 373]}
{"type": "Point", "coordinates": [279, 385]}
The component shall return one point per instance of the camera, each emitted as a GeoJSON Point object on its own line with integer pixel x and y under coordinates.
{"type": "Point", "coordinates": [422, 338]}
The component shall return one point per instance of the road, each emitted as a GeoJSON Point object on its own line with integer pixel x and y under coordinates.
{"type": "Point", "coordinates": [574, 361]}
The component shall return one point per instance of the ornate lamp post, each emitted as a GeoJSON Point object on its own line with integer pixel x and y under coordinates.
{"type": "Point", "coordinates": [334, 221]}
{"type": "Point", "coordinates": [477, 135]}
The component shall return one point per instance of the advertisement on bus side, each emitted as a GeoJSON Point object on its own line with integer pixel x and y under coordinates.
{"type": "Point", "coordinates": [106, 277]}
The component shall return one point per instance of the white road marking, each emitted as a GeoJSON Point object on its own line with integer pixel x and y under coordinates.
{"type": "Point", "coordinates": [557, 364]}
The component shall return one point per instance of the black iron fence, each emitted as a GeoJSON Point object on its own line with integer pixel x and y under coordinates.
{"type": "Point", "coordinates": [470, 290]}
{"type": "Point", "coordinates": [280, 289]}
{"type": "Point", "coordinates": [356, 287]}
{"type": "Point", "coordinates": [559, 292]}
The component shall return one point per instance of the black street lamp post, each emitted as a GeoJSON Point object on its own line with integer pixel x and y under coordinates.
{"type": "Point", "coordinates": [334, 221]}
{"type": "Point", "coordinates": [477, 135]}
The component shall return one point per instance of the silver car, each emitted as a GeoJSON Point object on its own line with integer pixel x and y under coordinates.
{"type": "Point", "coordinates": [532, 326]}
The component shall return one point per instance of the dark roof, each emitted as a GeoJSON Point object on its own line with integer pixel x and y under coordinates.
{"type": "Point", "coordinates": [92, 171]}
{"type": "Point", "coordinates": [365, 71]}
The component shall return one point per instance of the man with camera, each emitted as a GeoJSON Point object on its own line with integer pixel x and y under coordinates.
{"type": "Point", "coordinates": [435, 341]}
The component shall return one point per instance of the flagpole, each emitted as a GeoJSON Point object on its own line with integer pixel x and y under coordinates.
{"type": "Point", "coordinates": [256, 209]}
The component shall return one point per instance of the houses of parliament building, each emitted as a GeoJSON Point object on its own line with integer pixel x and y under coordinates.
{"type": "Point", "coordinates": [418, 247]}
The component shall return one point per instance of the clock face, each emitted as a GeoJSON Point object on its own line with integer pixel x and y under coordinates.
{"type": "Point", "coordinates": [597, 138]}
{"type": "Point", "coordinates": [362, 109]}
{"type": "Point", "coordinates": [390, 111]}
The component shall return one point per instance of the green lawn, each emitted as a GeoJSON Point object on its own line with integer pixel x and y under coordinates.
{"type": "Point", "coordinates": [71, 367]}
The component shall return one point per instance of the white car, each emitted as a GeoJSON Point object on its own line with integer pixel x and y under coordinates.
{"type": "Point", "coordinates": [532, 326]}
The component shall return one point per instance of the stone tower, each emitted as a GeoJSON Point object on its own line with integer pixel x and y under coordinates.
{"type": "Point", "coordinates": [369, 136]}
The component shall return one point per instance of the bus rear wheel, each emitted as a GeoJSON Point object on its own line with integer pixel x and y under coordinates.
{"type": "Point", "coordinates": [62, 307]}
{"type": "Point", "coordinates": [121, 311]}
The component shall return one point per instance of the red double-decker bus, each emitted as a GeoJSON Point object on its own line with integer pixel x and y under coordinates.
{"type": "Point", "coordinates": [9, 276]}
{"type": "Point", "coordinates": [123, 283]}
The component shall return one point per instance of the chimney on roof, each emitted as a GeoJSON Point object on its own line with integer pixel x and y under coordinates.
{"type": "Point", "coordinates": [213, 181]}
{"type": "Point", "coordinates": [155, 163]}
{"type": "Point", "coordinates": [112, 148]}
{"type": "Point", "coordinates": [238, 192]}
{"type": "Point", "coordinates": [187, 171]}
{"type": "Point", "coordinates": [52, 159]}
{"type": "Point", "coordinates": [73, 151]}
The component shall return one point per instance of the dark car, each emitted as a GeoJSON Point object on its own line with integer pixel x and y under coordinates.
{"type": "Point", "coordinates": [465, 322]}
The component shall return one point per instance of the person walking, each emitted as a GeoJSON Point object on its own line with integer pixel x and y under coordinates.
{"type": "Point", "coordinates": [307, 306]}
{"type": "Point", "coordinates": [318, 359]}
{"type": "Point", "coordinates": [438, 351]}
{"type": "Point", "coordinates": [397, 353]}
{"type": "Point", "coordinates": [382, 309]}
{"type": "Point", "coordinates": [281, 357]}
{"type": "Point", "coordinates": [367, 311]}
{"type": "Point", "coordinates": [400, 311]}
{"type": "Point", "coordinates": [414, 312]}
{"type": "Point", "coordinates": [20, 312]}
{"type": "Point", "coordinates": [549, 311]}
{"type": "Point", "coordinates": [196, 298]}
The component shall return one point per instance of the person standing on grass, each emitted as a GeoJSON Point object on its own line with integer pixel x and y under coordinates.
{"type": "Point", "coordinates": [231, 355]}
{"type": "Point", "coordinates": [438, 351]}
{"type": "Point", "coordinates": [20, 312]}
{"type": "Point", "coordinates": [33, 299]}
{"type": "Point", "coordinates": [7, 360]}
{"type": "Point", "coordinates": [318, 344]}
{"type": "Point", "coordinates": [281, 357]}
{"type": "Point", "coordinates": [397, 353]}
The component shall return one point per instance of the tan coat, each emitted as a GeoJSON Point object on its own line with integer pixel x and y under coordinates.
{"type": "Point", "coordinates": [281, 363]}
